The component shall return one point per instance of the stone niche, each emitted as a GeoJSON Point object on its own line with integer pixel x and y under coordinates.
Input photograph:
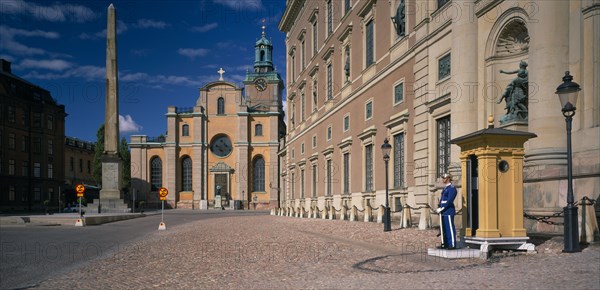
{"type": "Point", "coordinates": [507, 47]}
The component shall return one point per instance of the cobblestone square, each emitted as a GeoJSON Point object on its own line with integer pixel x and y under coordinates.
{"type": "Point", "coordinates": [260, 252]}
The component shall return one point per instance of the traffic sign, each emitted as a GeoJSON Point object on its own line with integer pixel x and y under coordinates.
{"type": "Point", "coordinates": [80, 189]}
{"type": "Point", "coordinates": [163, 192]}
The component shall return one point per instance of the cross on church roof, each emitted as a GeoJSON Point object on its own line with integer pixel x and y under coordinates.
{"type": "Point", "coordinates": [221, 71]}
{"type": "Point", "coordinates": [263, 27]}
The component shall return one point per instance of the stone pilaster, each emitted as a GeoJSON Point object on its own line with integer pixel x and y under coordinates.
{"type": "Point", "coordinates": [464, 112]}
{"type": "Point", "coordinates": [547, 66]}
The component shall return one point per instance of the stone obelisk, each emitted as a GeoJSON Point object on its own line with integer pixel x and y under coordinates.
{"type": "Point", "coordinates": [110, 195]}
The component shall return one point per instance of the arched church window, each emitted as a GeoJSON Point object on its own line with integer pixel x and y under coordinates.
{"type": "Point", "coordinates": [262, 55]}
{"type": "Point", "coordinates": [185, 130]}
{"type": "Point", "coordinates": [155, 173]}
{"type": "Point", "coordinates": [258, 130]}
{"type": "Point", "coordinates": [259, 174]}
{"type": "Point", "coordinates": [221, 106]}
{"type": "Point", "coordinates": [186, 174]}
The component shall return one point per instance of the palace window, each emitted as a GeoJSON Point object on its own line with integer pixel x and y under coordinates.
{"type": "Point", "coordinates": [346, 123]}
{"type": "Point", "coordinates": [369, 167]}
{"type": "Point", "coordinates": [314, 180]}
{"type": "Point", "coordinates": [444, 66]}
{"type": "Point", "coordinates": [329, 82]}
{"type": "Point", "coordinates": [443, 145]}
{"type": "Point", "coordinates": [155, 173]}
{"type": "Point", "coordinates": [368, 110]}
{"type": "Point", "coordinates": [25, 168]}
{"type": "Point", "coordinates": [398, 93]}
{"type": "Point", "coordinates": [11, 167]}
{"type": "Point", "coordinates": [329, 17]}
{"type": "Point", "coordinates": [370, 45]}
{"type": "Point", "coordinates": [292, 184]}
{"type": "Point", "coordinates": [186, 174]}
{"type": "Point", "coordinates": [314, 37]}
{"type": "Point", "coordinates": [302, 106]}
{"type": "Point", "coordinates": [259, 174]}
{"type": "Point", "coordinates": [50, 170]}
{"type": "Point", "coordinates": [329, 177]}
{"type": "Point", "coordinates": [399, 160]}
{"type": "Point", "coordinates": [346, 6]}
{"type": "Point", "coordinates": [37, 170]}
{"type": "Point", "coordinates": [346, 188]}
{"type": "Point", "coordinates": [302, 183]}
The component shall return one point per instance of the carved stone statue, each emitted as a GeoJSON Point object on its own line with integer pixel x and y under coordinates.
{"type": "Point", "coordinates": [399, 19]}
{"type": "Point", "coordinates": [516, 95]}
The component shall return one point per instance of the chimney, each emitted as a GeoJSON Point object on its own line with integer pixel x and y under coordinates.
{"type": "Point", "coordinates": [5, 66]}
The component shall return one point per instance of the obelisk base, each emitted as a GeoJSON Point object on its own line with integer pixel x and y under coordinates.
{"type": "Point", "coordinates": [110, 200]}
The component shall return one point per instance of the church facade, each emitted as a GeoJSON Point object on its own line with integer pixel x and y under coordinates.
{"type": "Point", "coordinates": [223, 151]}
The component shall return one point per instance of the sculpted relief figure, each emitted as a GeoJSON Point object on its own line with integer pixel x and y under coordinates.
{"type": "Point", "coordinates": [516, 95]}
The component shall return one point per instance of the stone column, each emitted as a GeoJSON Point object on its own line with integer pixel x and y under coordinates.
{"type": "Point", "coordinates": [241, 156]}
{"type": "Point", "coordinates": [464, 82]}
{"type": "Point", "coordinates": [547, 65]}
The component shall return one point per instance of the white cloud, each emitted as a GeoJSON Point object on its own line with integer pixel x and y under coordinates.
{"type": "Point", "coordinates": [121, 27]}
{"type": "Point", "coordinates": [54, 64]}
{"type": "Point", "coordinates": [284, 103]}
{"type": "Point", "coordinates": [148, 23]}
{"type": "Point", "coordinates": [205, 28]}
{"type": "Point", "coordinates": [8, 42]}
{"type": "Point", "coordinates": [193, 52]}
{"type": "Point", "coordinates": [128, 125]}
{"type": "Point", "coordinates": [54, 13]}
{"type": "Point", "coordinates": [87, 72]}
{"type": "Point", "coordinates": [241, 4]}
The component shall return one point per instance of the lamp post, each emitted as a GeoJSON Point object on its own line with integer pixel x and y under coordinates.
{"type": "Point", "coordinates": [385, 149]}
{"type": "Point", "coordinates": [567, 93]}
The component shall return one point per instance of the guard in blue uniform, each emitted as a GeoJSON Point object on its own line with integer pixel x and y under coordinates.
{"type": "Point", "coordinates": [447, 211]}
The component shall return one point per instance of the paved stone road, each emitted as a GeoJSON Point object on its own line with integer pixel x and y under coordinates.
{"type": "Point", "coordinates": [259, 252]}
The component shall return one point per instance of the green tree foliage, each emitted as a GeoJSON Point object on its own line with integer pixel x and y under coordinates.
{"type": "Point", "coordinates": [98, 154]}
{"type": "Point", "coordinates": [126, 165]}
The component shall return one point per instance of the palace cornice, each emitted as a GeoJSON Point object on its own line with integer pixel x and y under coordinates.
{"type": "Point", "coordinates": [292, 10]}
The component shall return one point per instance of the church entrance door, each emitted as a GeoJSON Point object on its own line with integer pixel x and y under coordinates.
{"type": "Point", "coordinates": [222, 188]}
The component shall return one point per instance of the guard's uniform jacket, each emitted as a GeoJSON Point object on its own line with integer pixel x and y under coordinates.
{"type": "Point", "coordinates": [447, 216]}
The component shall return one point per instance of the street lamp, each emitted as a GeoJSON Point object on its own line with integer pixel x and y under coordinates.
{"type": "Point", "coordinates": [567, 93]}
{"type": "Point", "coordinates": [385, 149]}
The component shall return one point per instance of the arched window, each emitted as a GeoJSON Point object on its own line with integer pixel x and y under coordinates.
{"type": "Point", "coordinates": [155, 173]}
{"type": "Point", "coordinates": [221, 106]}
{"type": "Point", "coordinates": [259, 174]}
{"type": "Point", "coordinates": [185, 130]}
{"type": "Point", "coordinates": [262, 55]}
{"type": "Point", "coordinates": [186, 174]}
{"type": "Point", "coordinates": [258, 130]}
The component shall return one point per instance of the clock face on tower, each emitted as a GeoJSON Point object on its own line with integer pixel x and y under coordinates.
{"type": "Point", "coordinates": [221, 146]}
{"type": "Point", "coordinates": [260, 84]}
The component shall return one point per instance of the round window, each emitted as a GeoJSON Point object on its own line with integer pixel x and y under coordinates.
{"type": "Point", "coordinates": [503, 166]}
{"type": "Point", "coordinates": [221, 146]}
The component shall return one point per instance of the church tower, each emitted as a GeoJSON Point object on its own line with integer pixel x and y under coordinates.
{"type": "Point", "coordinates": [264, 84]}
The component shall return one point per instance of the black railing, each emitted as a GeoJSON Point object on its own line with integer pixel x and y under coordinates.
{"type": "Point", "coordinates": [159, 139]}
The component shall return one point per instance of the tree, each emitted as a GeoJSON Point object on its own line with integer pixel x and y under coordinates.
{"type": "Point", "coordinates": [126, 165]}
{"type": "Point", "coordinates": [98, 155]}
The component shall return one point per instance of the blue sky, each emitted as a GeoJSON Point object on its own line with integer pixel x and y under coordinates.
{"type": "Point", "coordinates": [166, 50]}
